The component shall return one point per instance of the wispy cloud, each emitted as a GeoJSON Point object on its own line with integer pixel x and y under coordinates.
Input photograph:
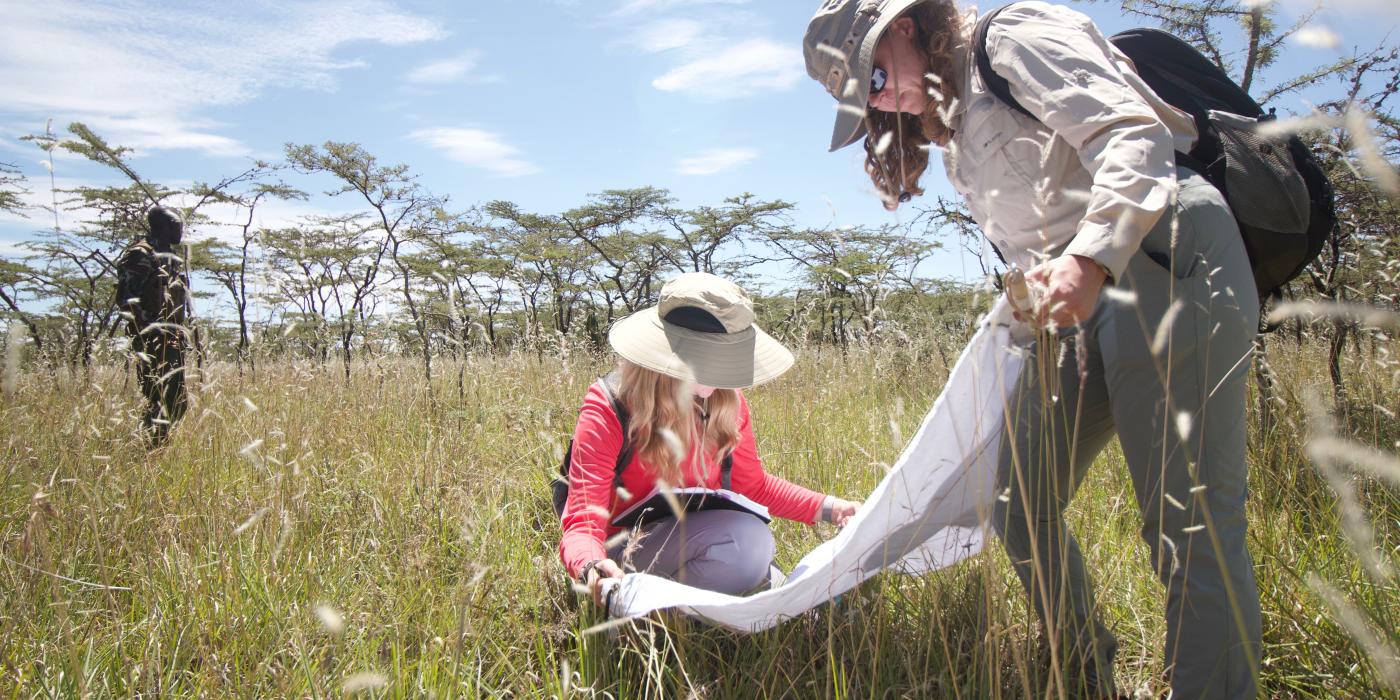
{"type": "Point", "coordinates": [146, 132]}
{"type": "Point", "coordinates": [716, 160]}
{"type": "Point", "coordinates": [1318, 37]}
{"type": "Point", "coordinates": [153, 69]}
{"type": "Point", "coordinates": [633, 7]}
{"type": "Point", "coordinates": [1378, 9]}
{"type": "Point", "coordinates": [665, 35]}
{"type": "Point", "coordinates": [449, 70]}
{"type": "Point", "coordinates": [741, 70]}
{"type": "Point", "coordinates": [477, 148]}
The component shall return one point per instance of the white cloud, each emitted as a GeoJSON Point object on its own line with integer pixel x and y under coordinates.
{"type": "Point", "coordinates": [477, 148]}
{"type": "Point", "coordinates": [35, 215]}
{"type": "Point", "coordinates": [1318, 37]}
{"type": "Point", "coordinates": [225, 222]}
{"type": "Point", "coordinates": [715, 160]}
{"type": "Point", "coordinates": [665, 35]}
{"type": "Point", "coordinates": [739, 71]}
{"type": "Point", "coordinates": [449, 70]}
{"type": "Point", "coordinates": [12, 249]}
{"type": "Point", "coordinates": [156, 132]}
{"type": "Point", "coordinates": [152, 69]}
{"type": "Point", "coordinates": [1349, 9]}
{"type": "Point", "coordinates": [632, 7]}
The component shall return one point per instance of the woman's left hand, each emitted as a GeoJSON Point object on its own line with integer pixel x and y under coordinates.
{"type": "Point", "coordinates": [842, 510]}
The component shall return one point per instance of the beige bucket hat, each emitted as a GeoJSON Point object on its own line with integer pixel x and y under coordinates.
{"type": "Point", "coordinates": [702, 331]}
{"type": "Point", "coordinates": [840, 49]}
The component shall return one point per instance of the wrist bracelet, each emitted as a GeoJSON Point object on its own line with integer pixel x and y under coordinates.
{"type": "Point", "coordinates": [828, 504]}
{"type": "Point", "coordinates": [587, 567]}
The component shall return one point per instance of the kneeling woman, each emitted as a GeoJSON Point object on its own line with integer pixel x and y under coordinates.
{"type": "Point", "coordinates": [681, 366]}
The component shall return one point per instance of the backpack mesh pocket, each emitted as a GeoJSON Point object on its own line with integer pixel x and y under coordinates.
{"type": "Point", "coordinates": [1263, 184]}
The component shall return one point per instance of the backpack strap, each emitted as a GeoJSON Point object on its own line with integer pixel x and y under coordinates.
{"type": "Point", "coordinates": [612, 382]}
{"type": "Point", "coordinates": [725, 468]}
{"type": "Point", "coordinates": [996, 84]}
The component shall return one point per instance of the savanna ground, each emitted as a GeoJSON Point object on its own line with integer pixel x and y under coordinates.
{"type": "Point", "coordinates": [305, 535]}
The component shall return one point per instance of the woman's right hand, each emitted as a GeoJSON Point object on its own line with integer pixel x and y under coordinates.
{"type": "Point", "coordinates": [604, 569]}
{"type": "Point", "coordinates": [843, 510]}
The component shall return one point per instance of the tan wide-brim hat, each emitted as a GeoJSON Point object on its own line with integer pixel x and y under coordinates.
{"type": "Point", "coordinates": [839, 48]}
{"type": "Point", "coordinates": [702, 331]}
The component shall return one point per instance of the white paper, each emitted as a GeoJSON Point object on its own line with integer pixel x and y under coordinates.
{"type": "Point", "coordinates": [929, 512]}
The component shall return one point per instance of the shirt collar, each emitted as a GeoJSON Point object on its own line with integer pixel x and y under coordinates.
{"type": "Point", "coordinates": [961, 56]}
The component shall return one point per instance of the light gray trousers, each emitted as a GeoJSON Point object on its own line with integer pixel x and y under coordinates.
{"type": "Point", "coordinates": [717, 550]}
{"type": "Point", "coordinates": [1175, 397]}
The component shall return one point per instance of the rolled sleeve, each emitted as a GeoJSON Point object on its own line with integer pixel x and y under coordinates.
{"type": "Point", "coordinates": [1062, 69]}
{"type": "Point", "coordinates": [597, 443]}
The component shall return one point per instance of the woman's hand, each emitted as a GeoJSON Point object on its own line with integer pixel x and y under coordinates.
{"type": "Point", "coordinates": [842, 510]}
{"type": "Point", "coordinates": [1069, 289]}
{"type": "Point", "coordinates": [604, 569]}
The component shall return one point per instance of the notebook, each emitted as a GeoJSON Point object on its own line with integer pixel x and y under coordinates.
{"type": "Point", "coordinates": [691, 500]}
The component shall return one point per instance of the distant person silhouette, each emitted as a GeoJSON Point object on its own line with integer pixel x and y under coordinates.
{"type": "Point", "coordinates": [152, 295]}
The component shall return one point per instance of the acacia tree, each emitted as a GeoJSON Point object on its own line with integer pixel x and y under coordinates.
{"type": "Point", "coordinates": [398, 203]}
{"type": "Point", "coordinates": [11, 189]}
{"type": "Point", "coordinates": [230, 266]}
{"type": "Point", "coordinates": [1355, 265]}
{"type": "Point", "coordinates": [491, 270]}
{"type": "Point", "coordinates": [15, 290]}
{"type": "Point", "coordinates": [320, 267]}
{"type": "Point", "coordinates": [630, 256]}
{"type": "Point", "coordinates": [14, 274]}
{"type": "Point", "coordinates": [549, 262]}
{"type": "Point", "coordinates": [853, 270]}
{"type": "Point", "coordinates": [75, 268]}
{"type": "Point", "coordinates": [704, 231]}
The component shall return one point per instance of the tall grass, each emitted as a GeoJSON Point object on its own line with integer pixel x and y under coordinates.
{"type": "Point", "coordinates": [307, 535]}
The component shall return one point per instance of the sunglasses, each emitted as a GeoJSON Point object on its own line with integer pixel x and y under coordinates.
{"type": "Point", "coordinates": [878, 80]}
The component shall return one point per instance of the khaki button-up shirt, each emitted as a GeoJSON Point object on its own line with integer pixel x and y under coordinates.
{"type": "Point", "coordinates": [1094, 174]}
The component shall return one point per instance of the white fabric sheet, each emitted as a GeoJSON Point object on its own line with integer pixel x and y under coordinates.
{"type": "Point", "coordinates": [930, 510]}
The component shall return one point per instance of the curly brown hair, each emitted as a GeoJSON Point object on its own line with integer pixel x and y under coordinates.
{"type": "Point", "coordinates": [896, 165]}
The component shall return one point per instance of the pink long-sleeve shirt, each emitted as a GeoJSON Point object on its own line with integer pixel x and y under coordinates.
{"type": "Point", "coordinates": [593, 502]}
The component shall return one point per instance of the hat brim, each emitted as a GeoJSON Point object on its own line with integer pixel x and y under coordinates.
{"type": "Point", "coordinates": [850, 109]}
{"type": "Point", "coordinates": [720, 360]}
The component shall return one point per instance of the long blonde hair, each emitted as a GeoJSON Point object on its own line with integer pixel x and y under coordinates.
{"type": "Point", "coordinates": [896, 169]}
{"type": "Point", "coordinates": [663, 421]}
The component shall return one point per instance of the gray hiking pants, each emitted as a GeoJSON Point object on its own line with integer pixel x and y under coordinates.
{"type": "Point", "coordinates": [1175, 397]}
{"type": "Point", "coordinates": [717, 550]}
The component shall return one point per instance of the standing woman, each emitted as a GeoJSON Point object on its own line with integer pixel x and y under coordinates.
{"type": "Point", "coordinates": [682, 364]}
{"type": "Point", "coordinates": [1083, 193]}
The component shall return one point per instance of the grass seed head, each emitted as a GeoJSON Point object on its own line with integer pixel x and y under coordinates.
{"type": "Point", "coordinates": [251, 521]}
{"type": "Point", "coordinates": [330, 618]}
{"type": "Point", "coordinates": [364, 680]}
{"type": "Point", "coordinates": [1183, 425]}
{"type": "Point", "coordinates": [1164, 328]}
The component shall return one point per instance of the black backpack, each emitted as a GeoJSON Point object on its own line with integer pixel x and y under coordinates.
{"type": "Point", "coordinates": [560, 485]}
{"type": "Point", "coordinates": [1277, 191]}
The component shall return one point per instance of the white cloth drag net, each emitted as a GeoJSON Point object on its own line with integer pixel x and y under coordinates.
{"type": "Point", "coordinates": [929, 512]}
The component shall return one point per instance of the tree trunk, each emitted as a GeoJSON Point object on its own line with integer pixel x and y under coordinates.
{"type": "Point", "coordinates": [346, 337]}
{"type": "Point", "coordinates": [1340, 328]}
{"type": "Point", "coordinates": [241, 354]}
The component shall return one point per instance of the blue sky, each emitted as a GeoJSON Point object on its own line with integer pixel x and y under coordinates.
{"type": "Point", "coordinates": [535, 101]}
